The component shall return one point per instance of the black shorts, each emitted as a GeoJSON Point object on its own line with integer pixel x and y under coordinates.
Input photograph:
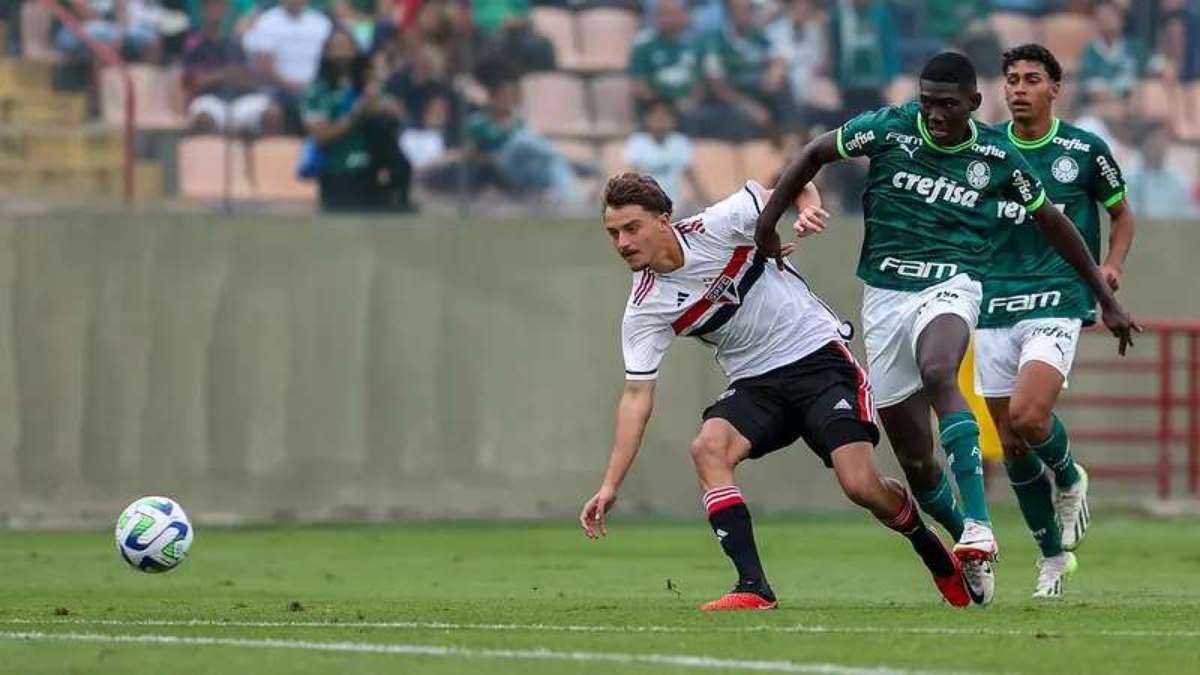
{"type": "Point", "coordinates": [823, 398]}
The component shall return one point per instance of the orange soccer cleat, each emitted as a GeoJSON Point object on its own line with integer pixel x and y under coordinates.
{"type": "Point", "coordinates": [742, 600]}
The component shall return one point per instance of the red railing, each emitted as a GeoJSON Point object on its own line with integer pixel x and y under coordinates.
{"type": "Point", "coordinates": [109, 57]}
{"type": "Point", "coordinates": [1164, 366]}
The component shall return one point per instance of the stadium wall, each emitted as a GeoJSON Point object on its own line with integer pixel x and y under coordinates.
{"type": "Point", "coordinates": [267, 370]}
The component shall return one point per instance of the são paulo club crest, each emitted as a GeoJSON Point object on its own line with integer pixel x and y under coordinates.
{"type": "Point", "coordinates": [978, 174]}
{"type": "Point", "coordinates": [1065, 170]}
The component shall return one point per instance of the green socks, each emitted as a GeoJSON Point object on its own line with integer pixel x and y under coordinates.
{"type": "Point", "coordinates": [1056, 453]}
{"type": "Point", "coordinates": [960, 438]}
{"type": "Point", "coordinates": [1028, 476]}
{"type": "Point", "coordinates": [939, 504]}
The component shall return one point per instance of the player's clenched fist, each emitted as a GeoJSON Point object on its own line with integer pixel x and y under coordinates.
{"type": "Point", "coordinates": [594, 512]}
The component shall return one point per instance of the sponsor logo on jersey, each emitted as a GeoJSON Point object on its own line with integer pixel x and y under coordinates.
{"type": "Point", "coordinates": [1024, 185]}
{"type": "Point", "coordinates": [1109, 172]}
{"type": "Point", "coordinates": [680, 298]}
{"type": "Point", "coordinates": [1053, 332]}
{"type": "Point", "coordinates": [917, 269]}
{"type": "Point", "coordinates": [1064, 170]}
{"type": "Point", "coordinates": [1017, 213]}
{"type": "Point", "coordinates": [1024, 303]}
{"type": "Point", "coordinates": [978, 175]}
{"type": "Point", "coordinates": [1072, 144]}
{"type": "Point", "coordinates": [932, 190]}
{"type": "Point", "coordinates": [908, 143]}
{"type": "Point", "coordinates": [990, 151]}
{"type": "Point", "coordinates": [860, 140]}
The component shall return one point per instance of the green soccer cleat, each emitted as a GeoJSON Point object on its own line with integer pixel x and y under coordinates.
{"type": "Point", "coordinates": [1072, 509]}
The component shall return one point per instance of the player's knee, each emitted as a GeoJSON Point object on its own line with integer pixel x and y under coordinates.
{"type": "Point", "coordinates": [710, 450]}
{"type": "Point", "coordinates": [863, 488]}
{"type": "Point", "coordinates": [1030, 421]}
{"type": "Point", "coordinates": [939, 373]}
{"type": "Point", "coordinates": [923, 473]}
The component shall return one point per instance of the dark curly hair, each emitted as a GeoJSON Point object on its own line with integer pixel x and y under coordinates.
{"type": "Point", "coordinates": [1037, 54]}
{"type": "Point", "coordinates": [630, 187]}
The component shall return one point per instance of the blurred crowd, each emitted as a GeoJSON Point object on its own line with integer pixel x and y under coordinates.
{"type": "Point", "coordinates": [388, 92]}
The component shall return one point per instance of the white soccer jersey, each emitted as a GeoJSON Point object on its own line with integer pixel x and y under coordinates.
{"type": "Point", "coordinates": [757, 317]}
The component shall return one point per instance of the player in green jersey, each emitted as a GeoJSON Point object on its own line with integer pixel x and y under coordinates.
{"type": "Point", "coordinates": [1034, 306]}
{"type": "Point", "coordinates": [936, 183]}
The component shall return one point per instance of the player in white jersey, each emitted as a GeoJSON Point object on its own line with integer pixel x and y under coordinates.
{"type": "Point", "coordinates": [791, 374]}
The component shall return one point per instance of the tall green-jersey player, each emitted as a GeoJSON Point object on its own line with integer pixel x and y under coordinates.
{"type": "Point", "coordinates": [1034, 306]}
{"type": "Point", "coordinates": [936, 187]}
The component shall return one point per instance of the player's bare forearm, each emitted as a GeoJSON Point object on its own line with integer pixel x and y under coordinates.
{"type": "Point", "coordinates": [1120, 235]}
{"type": "Point", "coordinates": [633, 413]}
{"type": "Point", "coordinates": [1062, 234]}
{"type": "Point", "coordinates": [799, 173]}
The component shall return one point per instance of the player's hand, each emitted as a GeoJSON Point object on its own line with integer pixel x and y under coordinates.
{"type": "Point", "coordinates": [1121, 325]}
{"type": "Point", "coordinates": [594, 512]}
{"type": "Point", "coordinates": [1112, 275]}
{"type": "Point", "coordinates": [811, 220]}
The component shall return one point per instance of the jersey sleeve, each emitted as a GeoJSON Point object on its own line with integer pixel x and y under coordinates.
{"type": "Point", "coordinates": [644, 340]}
{"type": "Point", "coordinates": [735, 217]}
{"type": "Point", "coordinates": [1108, 184]}
{"type": "Point", "coordinates": [863, 136]}
{"type": "Point", "coordinates": [1022, 185]}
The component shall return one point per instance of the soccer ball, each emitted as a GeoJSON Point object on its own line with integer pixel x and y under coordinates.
{"type": "Point", "coordinates": [153, 534]}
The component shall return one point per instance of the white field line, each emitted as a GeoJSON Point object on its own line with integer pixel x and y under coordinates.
{"type": "Point", "coordinates": [681, 660]}
{"type": "Point", "coordinates": [567, 628]}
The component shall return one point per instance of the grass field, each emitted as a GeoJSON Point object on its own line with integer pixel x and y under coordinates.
{"type": "Point", "coordinates": [534, 599]}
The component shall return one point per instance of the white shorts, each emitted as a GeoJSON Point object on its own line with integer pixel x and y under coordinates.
{"type": "Point", "coordinates": [245, 113]}
{"type": "Point", "coordinates": [1001, 353]}
{"type": "Point", "coordinates": [892, 322]}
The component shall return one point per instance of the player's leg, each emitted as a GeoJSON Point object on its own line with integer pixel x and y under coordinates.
{"type": "Point", "coordinates": [891, 503]}
{"type": "Point", "coordinates": [716, 451]}
{"type": "Point", "coordinates": [1046, 358]}
{"type": "Point", "coordinates": [908, 429]}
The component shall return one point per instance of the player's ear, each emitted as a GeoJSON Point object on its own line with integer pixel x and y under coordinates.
{"type": "Point", "coordinates": [1055, 88]}
{"type": "Point", "coordinates": [976, 101]}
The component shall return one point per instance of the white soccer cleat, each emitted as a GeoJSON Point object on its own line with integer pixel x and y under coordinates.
{"type": "Point", "coordinates": [977, 549]}
{"type": "Point", "coordinates": [1073, 514]}
{"type": "Point", "coordinates": [1052, 571]}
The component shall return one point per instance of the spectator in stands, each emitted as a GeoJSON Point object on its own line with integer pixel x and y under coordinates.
{"type": "Point", "coordinates": [801, 34]}
{"type": "Point", "coordinates": [664, 64]}
{"type": "Point", "coordinates": [119, 24]}
{"type": "Point", "coordinates": [664, 153]}
{"type": "Point", "coordinates": [239, 15]}
{"type": "Point", "coordinates": [425, 144]}
{"type": "Point", "coordinates": [1156, 191]}
{"type": "Point", "coordinates": [707, 17]}
{"type": "Point", "coordinates": [865, 57]}
{"type": "Point", "coordinates": [419, 80]}
{"type": "Point", "coordinates": [508, 35]}
{"type": "Point", "coordinates": [360, 166]}
{"type": "Point", "coordinates": [1110, 65]}
{"type": "Point", "coordinates": [284, 45]}
{"type": "Point", "coordinates": [1179, 39]}
{"type": "Point", "coordinates": [747, 79]}
{"type": "Point", "coordinates": [223, 93]}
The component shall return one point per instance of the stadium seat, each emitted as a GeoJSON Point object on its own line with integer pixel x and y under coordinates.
{"type": "Point", "coordinates": [612, 157]}
{"type": "Point", "coordinates": [152, 96]}
{"type": "Point", "coordinates": [823, 94]}
{"type": "Point", "coordinates": [576, 150]}
{"type": "Point", "coordinates": [558, 25]}
{"type": "Point", "coordinates": [717, 168]}
{"type": "Point", "coordinates": [37, 44]}
{"type": "Point", "coordinates": [606, 35]}
{"type": "Point", "coordinates": [761, 161]}
{"type": "Point", "coordinates": [274, 170]}
{"type": "Point", "coordinates": [1066, 34]}
{"type": "Point", "coordinates": [554, 104]}
{"type": "Point", "coordinates": [902, 90]}
{"type": "Point", "coordinates": [612, 103]}
{"type": "Point", "coordinates": [202, 168]}
{"type": "Point", "coordinates": [1013, 29]}
{"type": "Point", "coordinates": [1184, 160]}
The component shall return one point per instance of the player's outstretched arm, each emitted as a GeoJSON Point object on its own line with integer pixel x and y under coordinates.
{"type": "Point", "coordinates": [1120, 240]}
{"type": "Point", "coordinates": [1062, 234]}
{"type": "Point", "coordinates": [820, 151]}
{"type": "Point", "coordinates": [633, 413]}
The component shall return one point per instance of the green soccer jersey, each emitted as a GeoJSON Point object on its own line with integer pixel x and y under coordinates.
{"type": "Point", "coordinates": [931, 211]}
{"type": "Point", "coordinates": [670, 65]}
{"type": "Point", "coordinates": [1029, 280]}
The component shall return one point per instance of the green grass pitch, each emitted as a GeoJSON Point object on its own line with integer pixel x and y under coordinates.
{"type": "Point", "coordinates": [539, 599]}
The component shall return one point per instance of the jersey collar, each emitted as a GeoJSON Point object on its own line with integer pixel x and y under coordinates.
{"type": "Point", "coordinates": [950, 150]}
{"type": "Point", "coordinates": [1033, 145]}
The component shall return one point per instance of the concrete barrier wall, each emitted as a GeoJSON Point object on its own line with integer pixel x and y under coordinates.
{"type": "Point", "coordinates": [281, 369]}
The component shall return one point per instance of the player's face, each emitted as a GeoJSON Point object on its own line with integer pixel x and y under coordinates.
{"type": "Point", "coordinates": [636, 233]}
{"type": "Point", "coordinates": [1029, 91]}
{"type": "Point", "coordinates": [947, 109]}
